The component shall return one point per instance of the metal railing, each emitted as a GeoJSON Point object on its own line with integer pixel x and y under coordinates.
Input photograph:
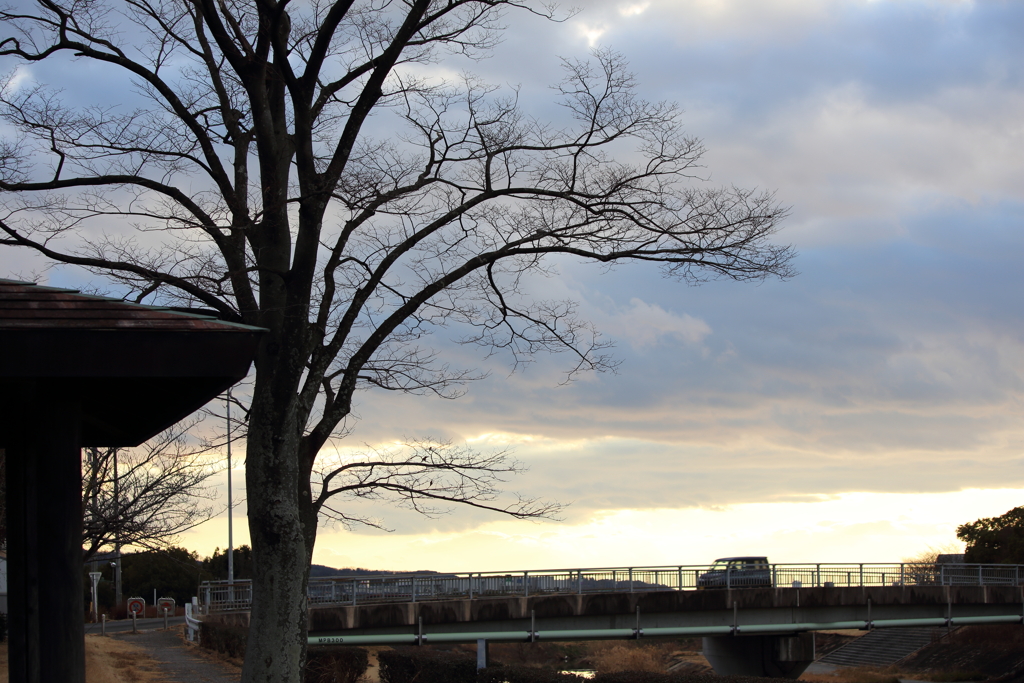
{"type": "Point", "coordinates": [220, 596]}
{"type": "Point", "coordinates": [191, 623]}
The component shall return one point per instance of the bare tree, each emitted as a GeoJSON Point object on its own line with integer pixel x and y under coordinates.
{"type": "Point", "coordinates": [931, 555]}
{"type": "Point", "coordinates": [251, 147]}
{"type": "Point", "coordinates": [145, 496]}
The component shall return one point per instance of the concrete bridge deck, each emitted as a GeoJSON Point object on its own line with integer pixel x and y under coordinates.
{"type": "Point", "coordinates": [706, 612]}
{"type": "Point", "coordinates": [645, 601]}
{"type": "Point", "coordinates": [763, 631]}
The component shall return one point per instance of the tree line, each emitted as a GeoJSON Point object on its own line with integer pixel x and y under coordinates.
{"type": "Point", "coordinates": [994, 540]}
{"type": "Point", "coordinates": [173, 571]}
{"type": "Point", "coordinates": [176, 572]}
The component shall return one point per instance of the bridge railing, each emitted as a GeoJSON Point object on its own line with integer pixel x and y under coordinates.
{"type": "Point", "coordinates": [356, 590]}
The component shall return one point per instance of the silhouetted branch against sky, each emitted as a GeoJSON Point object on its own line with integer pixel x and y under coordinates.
{"type": "Point", "coordinates": [147, 496]}
{"type": "Point", "coordinates": [243, 174]}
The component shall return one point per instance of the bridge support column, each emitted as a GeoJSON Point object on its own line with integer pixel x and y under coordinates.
{"type": "Point", "coordinates": [773, 656]}
{"type": "Point", "coordinates": [481, 653]}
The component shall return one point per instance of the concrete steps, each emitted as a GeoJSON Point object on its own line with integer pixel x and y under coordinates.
{"type": "Point", "coordinates": [882, 647]}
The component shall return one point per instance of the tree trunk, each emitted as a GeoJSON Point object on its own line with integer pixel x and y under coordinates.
{"type": "Point", "coordinates": [278, 626]}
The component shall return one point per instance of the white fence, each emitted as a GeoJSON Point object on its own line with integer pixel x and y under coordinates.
{"type": "Point", "coordinates": [221, 596]}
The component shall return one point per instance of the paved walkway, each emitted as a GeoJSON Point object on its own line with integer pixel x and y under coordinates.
{"type": "Point", "coordinates": [178, 662]}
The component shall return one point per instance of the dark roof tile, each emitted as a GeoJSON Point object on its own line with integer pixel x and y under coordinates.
{"type": "Point", "coordinates": [24, 305]}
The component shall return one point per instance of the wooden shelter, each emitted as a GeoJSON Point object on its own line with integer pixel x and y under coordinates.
{"type": "Point", "coordinates": [79, 370]}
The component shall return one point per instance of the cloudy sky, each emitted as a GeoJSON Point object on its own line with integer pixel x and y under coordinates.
{"type": "Point", "coordinates": [857, 412]}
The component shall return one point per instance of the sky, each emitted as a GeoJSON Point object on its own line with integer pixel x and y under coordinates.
{"type": "Point", "coordinates": [858, 412]}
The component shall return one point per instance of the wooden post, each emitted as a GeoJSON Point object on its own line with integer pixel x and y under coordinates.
{"type": "Point", "coordinates": [44, 512]}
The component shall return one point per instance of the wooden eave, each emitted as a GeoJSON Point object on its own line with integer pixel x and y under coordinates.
{"type": "Point", "coordinates": [139, 368]}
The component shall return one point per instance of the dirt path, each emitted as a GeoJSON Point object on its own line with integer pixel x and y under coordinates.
{"type": "Point", "coordinates": [178, 662]}
{"type": "Point", "coordinates": [108, 661]}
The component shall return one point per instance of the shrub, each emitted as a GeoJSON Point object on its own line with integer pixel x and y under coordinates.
{"type": "Point", "coordinates": [638, 677]}
{"type": "Point", "coordinates": [337, 664]}
{"type": "Point", "coordinates": [956, 675]}
{"type": "Point", "coordinates": [224, 638]}
{"type": "Point", "coordinates": [524, 674]}
{"type": "Point", "coordinates": [409, 665]}
{"type": "Point", "coordinates": [1006, 635]}
{"type": "Point", "coordinates": [675, 677]}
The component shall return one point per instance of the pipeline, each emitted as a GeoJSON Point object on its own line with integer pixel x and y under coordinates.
{"type": "Point", "coordinates": [630, 633]}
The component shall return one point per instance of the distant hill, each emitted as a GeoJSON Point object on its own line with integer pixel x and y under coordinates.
{"type": "Point", "coordinates": [317, 571]}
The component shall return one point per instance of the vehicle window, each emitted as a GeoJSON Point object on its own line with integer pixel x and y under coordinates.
{"type": "Point", "coordinates": [720, 565]}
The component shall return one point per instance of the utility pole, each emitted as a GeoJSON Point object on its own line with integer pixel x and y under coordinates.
{"type": "Point", "coordinates": [117, 534]}
{"type": "Point", "coordinates": [231, 539]}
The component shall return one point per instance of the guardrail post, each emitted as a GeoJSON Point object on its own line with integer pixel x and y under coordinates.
{"type": "Point", "coordinates": [903, 580]}
{"type": "Point", "coordinates": [817, 575]}
{"type": "Point", "coordinates": [862, 576]}
{"type": "Point", "coordinates": [526, 584]}
{"type": "Point", "coordinates": [981, 579]}
{"type": "Point", "coordinates": [579, 582]}
{"type": "Point", "coordinates": [630, 579]}
{"type": "Point", "coordinates": [680, 578]}
{"type": "Point", "coordinates": [412, 588]}
{"type": "Point", "coordinates": [355, 587]}
{"type": "Point", "coordinates": [728, 577]}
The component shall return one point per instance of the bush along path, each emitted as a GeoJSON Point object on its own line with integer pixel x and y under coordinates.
{"type": "Point", "coordinates": [180, 663]}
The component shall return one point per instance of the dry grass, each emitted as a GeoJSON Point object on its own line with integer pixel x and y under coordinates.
{"type": "Point", "coordinates": [609, 657]}
{"type": "Point", "coordinates": [860, 674]}
{"type": "Point", "coordinates": [107, 661]}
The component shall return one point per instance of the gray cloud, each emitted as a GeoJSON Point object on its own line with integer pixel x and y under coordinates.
{"type": "Point", "coordinates": [892, 363]}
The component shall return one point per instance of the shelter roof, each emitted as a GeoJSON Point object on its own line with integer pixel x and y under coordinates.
{"type": "Point", "coordinates": [140, 368]}
{"type": "Point", "coordinates": [24, 305]}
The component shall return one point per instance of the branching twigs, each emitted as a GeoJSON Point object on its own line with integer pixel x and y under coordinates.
{"type": "Point", "coordinates": [428, 477]}
{"type": "Point", "coordinates": [289, 165]}
{"type": "Point", "coordinates": [145, 496]}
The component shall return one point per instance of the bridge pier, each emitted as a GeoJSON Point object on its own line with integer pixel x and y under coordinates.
{"type": "Point", "coordinates": [773, 656]}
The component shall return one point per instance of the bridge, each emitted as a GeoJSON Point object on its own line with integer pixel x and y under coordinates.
{"type": "Point", "coordinates": [760, 625]}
